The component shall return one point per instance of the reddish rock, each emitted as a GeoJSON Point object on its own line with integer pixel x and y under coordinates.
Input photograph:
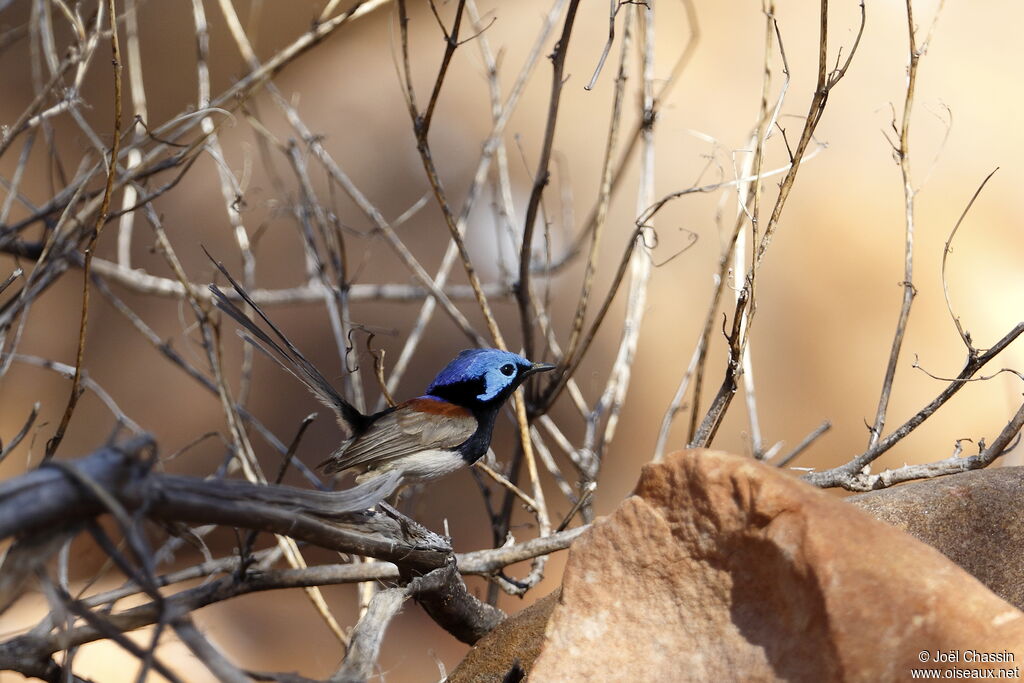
{"type": "Point", "coordinates": [722, 568]}
{"type": "Point", "coordinates": [516, 640]}
{"type": "Point", "coordinates": [973, 518]}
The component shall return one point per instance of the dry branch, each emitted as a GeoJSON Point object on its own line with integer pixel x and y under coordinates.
{"type": "Point", "coordinates": [48, 236]}
{"type": "Point", "coordinates": [50, 498]}
{"type": "Point", "coordinates": [848, 475]}
{"type": "Point", "coordinates": [909, 291]}
{"type": "Point", "coordinates": [744, 311]}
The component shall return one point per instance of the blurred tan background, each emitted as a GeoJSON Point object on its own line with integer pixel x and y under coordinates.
{"type": "Point", "coordinates": [828, 295]}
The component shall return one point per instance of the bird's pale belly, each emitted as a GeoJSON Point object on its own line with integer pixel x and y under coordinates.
{"type": "Point", "coordinates": [421, 466]}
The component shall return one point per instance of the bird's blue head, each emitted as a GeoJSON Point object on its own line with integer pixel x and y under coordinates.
{"type": "Point", "coordinates": [483, 376]}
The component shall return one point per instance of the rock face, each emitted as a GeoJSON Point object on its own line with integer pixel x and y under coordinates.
{"type": "Point", "coordinates": [721, 568]}
{"type": "Point", "coordinates": [974, 518]}
{"type": "Point", "coordinates": [516, 640]}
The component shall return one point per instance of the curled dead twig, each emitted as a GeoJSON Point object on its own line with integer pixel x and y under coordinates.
{"type": "Point", "coordinates": [947, 250]}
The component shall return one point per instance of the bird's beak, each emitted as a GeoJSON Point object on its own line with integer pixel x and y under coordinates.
{"type": "Point", "coordinates": [538, 367]}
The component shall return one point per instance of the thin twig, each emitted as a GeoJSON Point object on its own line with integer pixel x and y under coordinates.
{"type": "Point", "coordinates": [614, 396]}
{"type": "Point", "coordinates": [750, 194]}
{"type": "Point", "coordinates": [742, 316]}
{"type": "Point", "coordinates": [682, 61]}
{"type": "Point", "coordinates": [541, 177]}
{"type": "Point", "coordinates": [947, 250]}
{"type": "Point", "coordinates": [909, 291]}
{"type": "Point", "coordinates": [101, 218]}
{"type": "Point", "coordinates": [845, 475]}
{"type": "Point", "coordinates": [85, 382]}
{"type": "Point", "coordinates": [604, 194]}
{"type": "Point", "coordinates": [137, 88]}
{"type": "Point", "coordinates": [530, 503]}
{"type": "Point", "coordinates": [805, 444]}
{"type": "Point", "coordinates": [864, 481]}
{"type": "Point", "coordinates": [492, 147]}
{"type": "Point", "coordinates": [22, 433]}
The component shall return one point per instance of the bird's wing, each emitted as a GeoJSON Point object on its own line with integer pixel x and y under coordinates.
{"type": "Point", "coordinates": [419, 424]}
{"type": "Point", "coordinates": [285, 353]}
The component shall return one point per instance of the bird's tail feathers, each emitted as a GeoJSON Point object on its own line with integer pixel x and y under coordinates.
{"type": "Point", "coordinates": [285, 353]}
{"type": "Point", "coordinates": [324, 504]}
{"type": "Point", "coordinates": [364, 494]}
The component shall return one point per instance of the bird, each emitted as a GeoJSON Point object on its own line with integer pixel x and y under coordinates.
{"type": "Point", "coordinates": [424, 438]}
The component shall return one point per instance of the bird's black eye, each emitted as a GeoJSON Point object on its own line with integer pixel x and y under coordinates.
{"type": "Point", "coordinates": [508, 369]}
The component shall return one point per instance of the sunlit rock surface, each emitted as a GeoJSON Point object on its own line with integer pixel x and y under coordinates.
{"type": "Point", "coordinates": [721, 568]}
